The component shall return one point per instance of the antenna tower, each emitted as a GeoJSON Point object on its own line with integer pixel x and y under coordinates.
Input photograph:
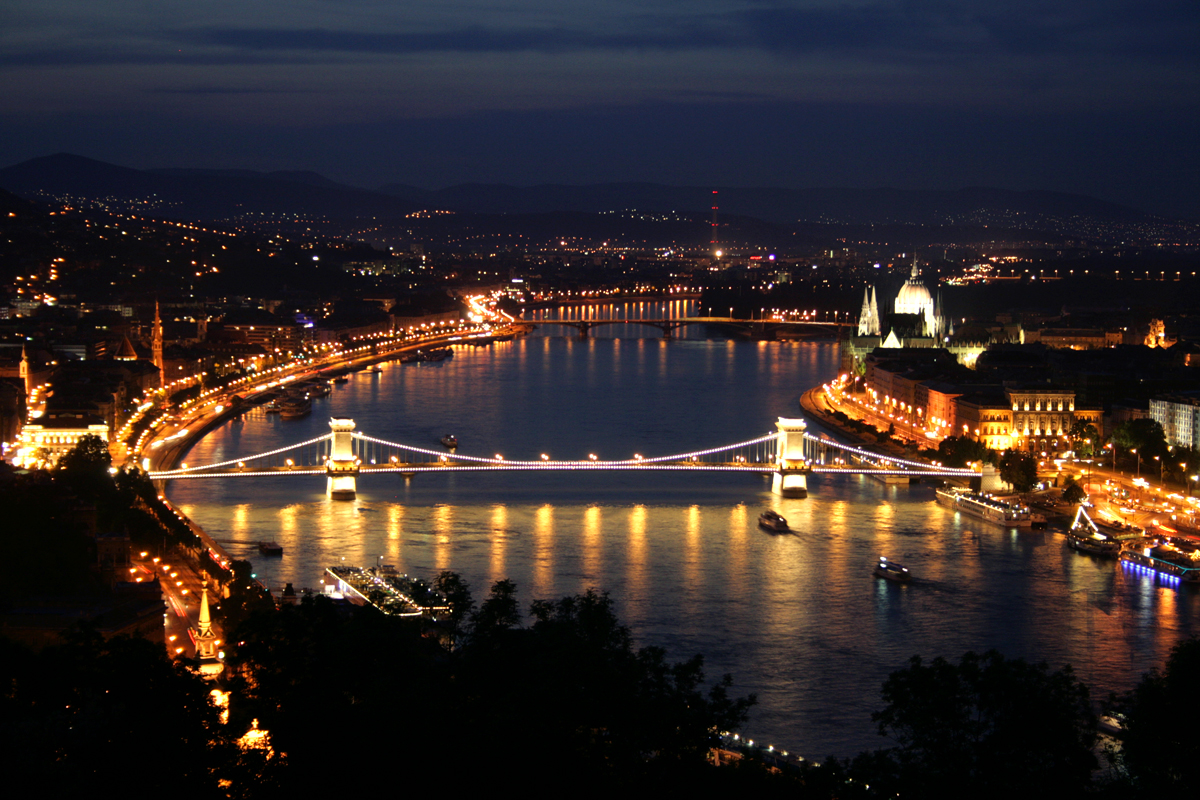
{"type": "Point", "coordinates": [713, 239]}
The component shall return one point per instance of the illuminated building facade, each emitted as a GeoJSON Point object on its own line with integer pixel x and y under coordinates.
{"type": "Point", "coordinates": [1179, 415]}
{"type": "Point", "coordinates": [47, 440]}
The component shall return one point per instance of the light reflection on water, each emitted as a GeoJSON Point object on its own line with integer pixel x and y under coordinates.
{"type": "Point", "coordinates": [797, 619]}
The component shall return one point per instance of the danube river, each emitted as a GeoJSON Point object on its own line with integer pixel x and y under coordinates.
{"type": "Point", "coordinates": [798, 620]}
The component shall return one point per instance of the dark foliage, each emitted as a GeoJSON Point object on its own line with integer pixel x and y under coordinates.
{"type": "Point", "coordinates": [956, 451]}
{"type": "Point", "coordinates": [1072, 492]}
{"type": "Point", "coordinates": [987, 726]}
{"type": "Point", "coordinates": [1161, 753]}
{"type": "Point", "coordinates": [92, 713]}
{"type": "Point", "coordinates": [566, 702]}
{"type": "Point", "coordinates": [1019, 470]}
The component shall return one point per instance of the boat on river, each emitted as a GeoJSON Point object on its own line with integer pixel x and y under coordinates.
{"type": "Point", "coordinates": [773, 521]}
{"type": "Point", "coordinates": [449, 442]}
{"type": "Point", "coordinates": [989, 508]}
{"type": "Point", "coordinates": [295, 407]}
{"type": "Point", "coordinates": [892, 571]}
{"type": "Point", "coordinates": [270, 549]}
{"type": "Point", "coordinates": [1166, 557]}
{"type": "Point", "coordinates": [1086, 537]}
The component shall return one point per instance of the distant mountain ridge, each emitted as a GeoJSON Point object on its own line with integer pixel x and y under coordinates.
{"type": "Point", "coordinates": [778, 205]}
{"type": "Point", "coordinates": [198, 193]}
{"type": "Point", "coordinates": [221, 193]}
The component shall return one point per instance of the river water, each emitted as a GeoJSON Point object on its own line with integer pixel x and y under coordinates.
{"type": "Point", "coordinates": [798, 620]}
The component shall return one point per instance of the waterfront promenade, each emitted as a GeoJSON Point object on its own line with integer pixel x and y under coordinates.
{"type": "Point", "coordinates": [183, 581]}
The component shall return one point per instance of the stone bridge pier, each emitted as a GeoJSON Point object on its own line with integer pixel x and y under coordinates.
{"type": "Point", "coordinates": [341, 469]}
{"type": "Point", "coordinates": [791, 466]}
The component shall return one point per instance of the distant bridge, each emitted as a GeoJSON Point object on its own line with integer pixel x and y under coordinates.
{"type": "Point", "coordinates": [789, 454]}
{"type": "Point", "coordinates": [668, 326]}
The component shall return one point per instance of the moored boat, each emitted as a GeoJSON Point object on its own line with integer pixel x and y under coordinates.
{"type": "Point", "coordinates": [1163, 558]}
{"type": "Point", "coordinates": [892, 571]}
{"type": "Point", "coordinates": [1086, 537]}
{"type": "Point", "coordinates": [773, 521]}
{"type": "Point", "coordinates": [295, 407]}
{"type": "Point", "coordinates": [989, 508]}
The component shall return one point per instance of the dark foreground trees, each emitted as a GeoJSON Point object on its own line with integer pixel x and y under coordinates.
{"type": "Point", "coordinates": [91, 713]}
{"type": "Point", "coordinates": [985, 727]}
{"type": "Point", "coordinates": [1161, 750]}
{"type": "Point", "coordinates": [565, 704]}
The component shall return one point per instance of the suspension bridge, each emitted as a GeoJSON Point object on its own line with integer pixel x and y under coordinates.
{"type": "Point", "coordinates": [789, 454]}
{"type": "Point", "coordinates": [765, 326]}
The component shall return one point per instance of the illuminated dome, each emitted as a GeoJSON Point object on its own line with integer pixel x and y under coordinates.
{"type": "Point", "coordinates": [914, 298]}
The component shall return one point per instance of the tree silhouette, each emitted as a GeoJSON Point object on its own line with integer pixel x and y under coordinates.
{"type": "Point", "coordinates": [994, 726]}
{"type": "Point", "coordinates": [1161, 752]}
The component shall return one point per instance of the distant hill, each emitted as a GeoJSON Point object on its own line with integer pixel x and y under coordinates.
{"type": "Point", "coordinates": [11, 204]}
{"type": "Point", "coordinates": [222, 194]}
{"type": "Point", "coordinates": [979, 205]}
{"type": "Point", "coordinates": [197, 194]}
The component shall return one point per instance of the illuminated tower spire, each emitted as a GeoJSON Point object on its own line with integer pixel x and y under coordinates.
{"type": "Point", "coordinates": [876, 323]}
{"type": "Point", "coordinates": [157, 347]}
{"type": "Point", "coordinates": [26, 372]}
{"type": "Point", "coordinates": [206, 639]}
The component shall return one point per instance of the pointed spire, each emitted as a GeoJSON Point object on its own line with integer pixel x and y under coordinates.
{"type": "Point", "coordinates": [916, 271]}
{"type": "Point", "coordinates": [26, 372]}
{"type": "Point", "coordinates": [157, 347]}
{"type": "Point", "coordinates": [127, 351]}
{"type": "Point", "coordinates": [864, 316]}
{"type": "Point", "coordinates": [206, 640]}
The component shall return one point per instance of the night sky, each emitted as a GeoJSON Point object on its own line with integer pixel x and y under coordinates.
{"type": "Point", "coordinates": [1100, 97]}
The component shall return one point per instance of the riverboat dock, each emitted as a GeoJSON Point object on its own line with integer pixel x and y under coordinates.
{"type": "Point", "coordinates": [394, 594]}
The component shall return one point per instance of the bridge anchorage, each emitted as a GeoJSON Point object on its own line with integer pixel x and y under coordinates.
{"type": "Point", "coordinates": [789, 455]}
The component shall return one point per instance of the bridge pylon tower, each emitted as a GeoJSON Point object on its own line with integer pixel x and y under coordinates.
{"type": "Point", "coordinates": [341, 469]}
{"type": "Point", "coordinates": [791, 465]}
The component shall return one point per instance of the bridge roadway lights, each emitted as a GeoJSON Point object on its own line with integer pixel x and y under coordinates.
{"type": "Point", "coordinates": [790, 478]}
{"type": "Point", "coordinates": [342, 467]}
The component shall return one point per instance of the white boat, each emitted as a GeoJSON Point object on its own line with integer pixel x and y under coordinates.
{"type": "Point", "coordinates": [1086, 537]}
{"type": "Point", "coordinates": [892, 571]}
{"type": "Point", "coordinates": [989, 509]}
{"type": "Point", "coordinates": [772, 521]}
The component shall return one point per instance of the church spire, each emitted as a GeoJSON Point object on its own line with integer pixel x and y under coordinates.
{"type": "Point", "coordinates": [157, 347]}
{"type": "Point", "coordinates": [26, 371]}
{"type": "Point", "coordinates": [876, 323]}
{"type": "Point", "coordinates": [206, 638]}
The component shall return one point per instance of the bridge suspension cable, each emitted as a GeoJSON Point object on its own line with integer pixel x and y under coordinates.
{"type": "Point", "coordinates": [695, 454]}
{"type": "Point", "coordinates": [877, 457]}
{"type": "Point", "coordinates": [171, 473]}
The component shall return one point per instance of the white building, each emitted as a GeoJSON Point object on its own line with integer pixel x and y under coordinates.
{"type": "Point", "coordinates": [1179, 415]}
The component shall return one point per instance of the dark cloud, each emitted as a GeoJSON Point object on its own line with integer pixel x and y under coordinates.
{"type": "Point", "coordinates": [462, 40]}
{"type": "Point", "coordinates": [1097, 96]}
{"type": "Point", "coordinates": [220, 90]}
